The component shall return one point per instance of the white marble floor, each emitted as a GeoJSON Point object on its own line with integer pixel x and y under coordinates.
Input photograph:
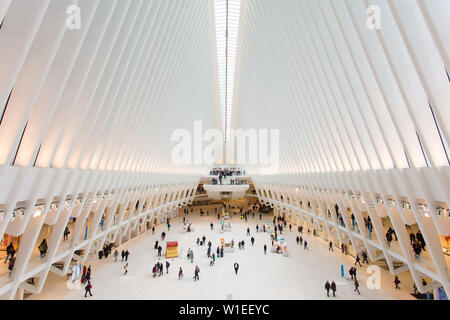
{"type": "Point", "coordinates": [302, 275]}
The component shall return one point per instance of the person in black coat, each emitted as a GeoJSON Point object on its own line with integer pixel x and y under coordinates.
{"type": "Point", "coordinates": [327, 287]}
{"type": "Point", "coordinates": [87, 289]}
{"type": "Point", "coordinates": [357, 260]}
{"type": "Point", "coordinates": [159, 251]}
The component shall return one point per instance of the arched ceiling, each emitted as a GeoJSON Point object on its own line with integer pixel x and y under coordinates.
{"type": "Point", "coordinates": [344, 96]}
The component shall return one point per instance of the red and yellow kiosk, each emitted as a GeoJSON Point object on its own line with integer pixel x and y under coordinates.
{"type": "Point", "coordinates": [172, 249]}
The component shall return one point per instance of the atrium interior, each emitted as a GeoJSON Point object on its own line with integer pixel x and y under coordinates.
{"type": "Point", "coordinates": [129, 122]}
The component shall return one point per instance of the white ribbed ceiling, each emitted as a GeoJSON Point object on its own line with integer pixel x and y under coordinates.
{"type": "Point", "coordinates": [345, 97]}
{"type": "Point", "coordinates": [109, 95]}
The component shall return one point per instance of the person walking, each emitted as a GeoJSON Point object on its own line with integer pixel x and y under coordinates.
{"type": "Point", "coordinates": [180, 274]}
{"type": "Point", "coordinates": [327, 287]}
{"type": "Point", "coordinates": [168, 227]}
{"type": "Point", "coordinates": [153, 230]}
{"type": "Point", "coordinates": [356, 283]}
{"type": "Point", "coordinates": [211, 225]}
{"type": "Point", "coordinates": [364, 255]}
{"type": "Point", "coordinates": [9, 251]}
{"type": "Point", "coordinates": [116, 254]}
{"type": "Point", "coordinates": [333, 288]}
{"type": "Point", "coordinates": [305, 247]}
{"type": "Point", "coordinates": [192, 256]}
{"type": "Point", "coordinates": [127, 253]}
{"type": "Point", "coordinates": [196, 272]}
{"type": "Point", "coordinates": [397, 282]}
{"type": "Point", "coordinates": [357, 260]}
{"type": "Point", "coordinates": [236, 267]}
{"type": "Point", "coordinates": [252, 240]}
{"type": "Point", "coordinates": [350, 272]}
{"type": "Point", "coordinates": [88, 273]}
{"type": "Point", "coordinates": [123, 254]}
{"type": "Point", "coordinates": [265, 249]}
{"type": "Point", "coordinates": [87, 289]}
{"type": "Point", "coordinates": [257, 228]}
{"type": "Point", "coordinates": [126, 269]}
{"type": "Point", "coordinates": [297, 239]}
{"type": "Point", "coordinates": [248, 231]}
{"type": "Point", "coordinates": [330, 246]}
{"type": "Point", "coordinates": [167, 266]}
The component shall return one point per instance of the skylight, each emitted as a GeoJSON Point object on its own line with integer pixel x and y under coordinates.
{"type": "Point", "coordinates": [227, 27]}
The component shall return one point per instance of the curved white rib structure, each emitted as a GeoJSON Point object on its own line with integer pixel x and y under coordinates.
{"type": "Point", "coordinates": [87, 114]}
{"type": "Point", "coordinates": [363, 114]}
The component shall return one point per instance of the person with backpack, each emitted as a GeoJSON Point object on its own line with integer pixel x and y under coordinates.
{"type": "Point", "coordinates": [87, 289]}
{"type": "Point", "coordinates": [327, 287]}
{"type": "Point", "coordinates": [333, 288]}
